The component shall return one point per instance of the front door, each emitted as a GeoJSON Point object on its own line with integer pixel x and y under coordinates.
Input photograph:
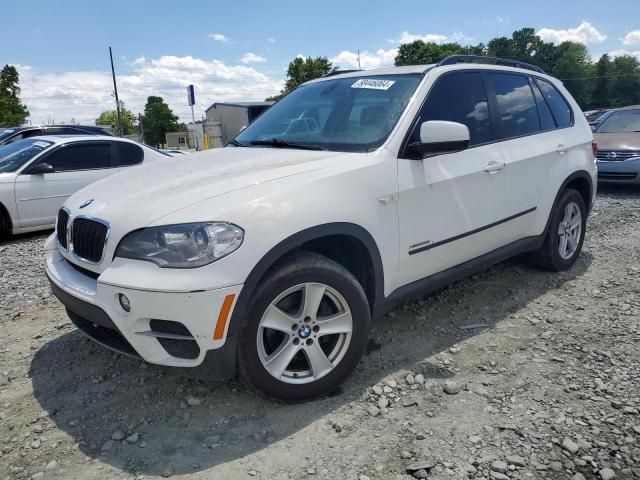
{"type": "Point", "coordinates": [76, 165]}
{"type": "Point", "coordinates": [451, 207]}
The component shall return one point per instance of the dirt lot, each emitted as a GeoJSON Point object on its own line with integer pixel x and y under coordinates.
{"type": "Point", "coordinates": [511, 374]}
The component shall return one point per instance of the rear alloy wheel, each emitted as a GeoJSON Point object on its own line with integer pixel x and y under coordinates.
{"type": "Point", "coordinates": [565, 235]}
{"type": "Point", "coordinates": [308, 326]}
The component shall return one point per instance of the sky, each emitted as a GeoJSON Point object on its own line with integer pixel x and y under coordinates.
{"type": "Point", "coordinates": [239, 50]}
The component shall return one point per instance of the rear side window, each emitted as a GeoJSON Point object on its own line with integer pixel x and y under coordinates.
{"type": "Point", "coordinates": [128, 154]}
{"type": "Point", "coordinates": [92, 156]}
{"type": "Point", "coordinates": [546, 117]}
{"type": "Point", "coordinates": [516, 106]}
{"type": "Point", "coordinates": [559, 106]}
{"type": "Point", "coordinates": [459, 97]}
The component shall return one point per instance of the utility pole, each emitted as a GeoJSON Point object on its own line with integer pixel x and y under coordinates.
{"type": "Point", "coordinates": [115, 91]}
{"type": "Point", "coordinates": [359, 67]}
{"type": "Point", "coordinates": [141, 128]}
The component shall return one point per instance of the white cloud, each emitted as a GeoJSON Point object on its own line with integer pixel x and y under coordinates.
{"type": "Point", "coordinates": [218, 37]}
{"type": "Point", "coordinates": [631, 38]}
{"type": "Point", "coordinates": [378, 59]}
{"type": "Point", "coordinates": [458, 37]}
{"type": "Point", "coordinates": [583, 33]}
{"type": "Point", "coordinates": [250, 57]}
{"type": "Point", "coordinates": [500, 19]}
{"type": "Point", "coordinates": [82, 95]}
{"type": "Point", "coordinates": [300, 55]}
{"type": "Point", "coordinates": [406, 37]}
{"type": "Point", "coordinates": [271, 40]}
{"type": "Point", "coordinates": [620, 53]}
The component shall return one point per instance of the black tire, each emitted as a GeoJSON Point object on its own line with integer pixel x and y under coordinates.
{"type": "Point", "coordinates": [548, 256]}
{"type": "Point", "coordinates": [302, 268]}
{"type": "Point", "coordinates": [4, 225]}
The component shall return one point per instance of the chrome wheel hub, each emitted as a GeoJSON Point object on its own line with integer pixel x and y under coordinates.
{"type": "Point", "coordinates": [304, 333]}
{"type": "Point", "coordinates": [569, 231]}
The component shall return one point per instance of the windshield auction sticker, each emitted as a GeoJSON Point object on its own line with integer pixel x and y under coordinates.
{"type": "Point", "coordinates": [373, 84]}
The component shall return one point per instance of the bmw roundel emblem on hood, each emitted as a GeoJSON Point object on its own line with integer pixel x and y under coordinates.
{"type": "Point", "coordinates": [86, 203]}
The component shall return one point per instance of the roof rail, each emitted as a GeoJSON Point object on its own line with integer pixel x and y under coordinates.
{"type": "Point", "coordinates": [339, 72]}
{"type": "Point", "coordinates": [453, 59]}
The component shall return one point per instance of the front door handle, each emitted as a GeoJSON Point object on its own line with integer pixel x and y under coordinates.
{"type": "Point", "coordinates": [561, 149]}
{"type": "Point", "coordinates": [494, 167]}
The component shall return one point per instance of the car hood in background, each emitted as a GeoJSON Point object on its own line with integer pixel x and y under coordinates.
{"type": "Point", "coordinates": [617, 141]}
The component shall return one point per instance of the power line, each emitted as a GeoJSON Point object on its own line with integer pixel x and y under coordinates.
{"type": "Point", "coordinates": [602, 76]}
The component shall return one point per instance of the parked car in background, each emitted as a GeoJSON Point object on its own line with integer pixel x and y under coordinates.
{"type": "Point", "coordinates": [597, 117]}
{"type": "Point", "coordinates": [352, 193]}
{"type": "Point", "coordinates": [618, 139]}
{"type": "Point", "coordinates": [14, 134]}
{"type": "Point", "coordinates": [38, 174]}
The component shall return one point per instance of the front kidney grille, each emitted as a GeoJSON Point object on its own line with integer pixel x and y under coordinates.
{"type": "Point", "coordinates": [88, 238]}
{"type": "Point", "coordinates": [61, 227]}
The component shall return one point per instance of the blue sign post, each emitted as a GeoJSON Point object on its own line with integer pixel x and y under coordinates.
{"type": "Point", "coordinates": [191, 100]}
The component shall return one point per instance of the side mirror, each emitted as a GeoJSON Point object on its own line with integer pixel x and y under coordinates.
{"type": "Point", "coordinates": [438, 137]}
{"type": "Point", "coordinates": [40, 169]}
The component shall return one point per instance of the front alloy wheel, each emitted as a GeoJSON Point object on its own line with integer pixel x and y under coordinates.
{"type": "Point", "coordinates": [304, 333]}
{"type": "Point", "coordinates": [307, 327]}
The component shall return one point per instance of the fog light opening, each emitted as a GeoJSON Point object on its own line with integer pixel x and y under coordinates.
{"type": "Point", "coordinates": [124, 302]}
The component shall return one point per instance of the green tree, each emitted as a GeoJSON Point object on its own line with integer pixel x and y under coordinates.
{"type": "Point", "coordinates": [625, 86]}
{"type": "Point", "coordinates": [424, 53]}
{"type": "Point", "coordinates": [110, 117]}
{"type": "Point", "coordinates": [157, 121]}
{"type": "Point", "coordinates": [572, 65]}
{"type": "Point", "coordinates": [602, 82]}
{"type": "Point", "coordinates": [302, 70]}
{"type": "Point", "coordinates": [12, 111]}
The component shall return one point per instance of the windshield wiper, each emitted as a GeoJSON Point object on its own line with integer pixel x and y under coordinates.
{"type": "Point", "coordinates": [277, 142]}
{"type": "Point", "coordinates": [236, 143]}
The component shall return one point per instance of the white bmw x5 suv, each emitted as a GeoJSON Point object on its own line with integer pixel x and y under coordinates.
{"type": "Point", "coordinates": [354, 192]}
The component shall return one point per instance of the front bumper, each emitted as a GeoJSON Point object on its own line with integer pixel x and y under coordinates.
{"type": "Point", "coordinates": [166, 328]}
{"type": "Point", "coordinates": [627, 171]}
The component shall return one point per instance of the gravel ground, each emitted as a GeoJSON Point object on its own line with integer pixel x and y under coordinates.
{"type": "Point", "coordinates": [510, 374]}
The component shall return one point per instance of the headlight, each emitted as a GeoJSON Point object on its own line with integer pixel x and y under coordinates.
{"type": "Point", "coordinates": [187, 245]}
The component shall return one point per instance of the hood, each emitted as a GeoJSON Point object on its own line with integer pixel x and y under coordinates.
{"type": "Point", "coordinates": [157, 189]}
{"type": "Point", "coordinates": [617, 141]}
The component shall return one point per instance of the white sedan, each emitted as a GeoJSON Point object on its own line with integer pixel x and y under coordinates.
{"type": "Point", "coordinates": [38, 174]}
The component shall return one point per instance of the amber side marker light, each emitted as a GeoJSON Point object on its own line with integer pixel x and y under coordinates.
{"type": "Point", "coordinates": [223, 316]}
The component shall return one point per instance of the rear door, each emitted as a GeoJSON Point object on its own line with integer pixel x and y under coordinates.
{"type": "Point", "coordinates": [531, 146]}
{"type": "Point", "coordinates": [76, 165]}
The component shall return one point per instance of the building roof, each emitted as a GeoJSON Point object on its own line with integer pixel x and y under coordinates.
{"type": "Point", "coordinates": [241, 104]}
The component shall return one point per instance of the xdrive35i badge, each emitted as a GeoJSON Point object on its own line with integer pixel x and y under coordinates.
{"type": "Point", "coordinates": [86, 203]}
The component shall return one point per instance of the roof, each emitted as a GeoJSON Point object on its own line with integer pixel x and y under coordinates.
{"type": "Point", "coordinates": [241, 104]}
{"type": "Point", "coordinates": [79, 138]}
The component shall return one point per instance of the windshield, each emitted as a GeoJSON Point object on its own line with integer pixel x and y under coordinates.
{"type": "Point", "coordinates": [354, 114]}
{"type": "Point", "coordinates": [5, 132]}
{"type": "Point", "coordinates": [16, 154]}
{"type": "Point", "coordinates": [621, 121]}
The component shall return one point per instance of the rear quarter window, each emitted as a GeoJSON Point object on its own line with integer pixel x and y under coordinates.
{"type": "Point", "coordinates": [559, 106]}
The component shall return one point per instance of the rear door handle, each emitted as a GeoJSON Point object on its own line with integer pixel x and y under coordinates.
{"type": "Point", "coordinates": [561, 149]}
{"type": "Point", "coordinates": [494, 167]}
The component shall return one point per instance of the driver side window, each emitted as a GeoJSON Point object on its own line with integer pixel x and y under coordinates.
{"type": "Point", "coordinates": [69, 158]}
{"type": "Point", "coordinates": [458, 97]}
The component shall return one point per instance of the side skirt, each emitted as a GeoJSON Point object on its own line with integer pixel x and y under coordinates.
{"type": "Point", "coordinates": [429, 284]}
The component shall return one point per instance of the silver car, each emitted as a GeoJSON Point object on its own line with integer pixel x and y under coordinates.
{"type": "Point", "coordinates": [618, 139]}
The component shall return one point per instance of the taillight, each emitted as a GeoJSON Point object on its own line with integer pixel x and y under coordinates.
{"type": "Point", "coordinates": [594, 147]}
